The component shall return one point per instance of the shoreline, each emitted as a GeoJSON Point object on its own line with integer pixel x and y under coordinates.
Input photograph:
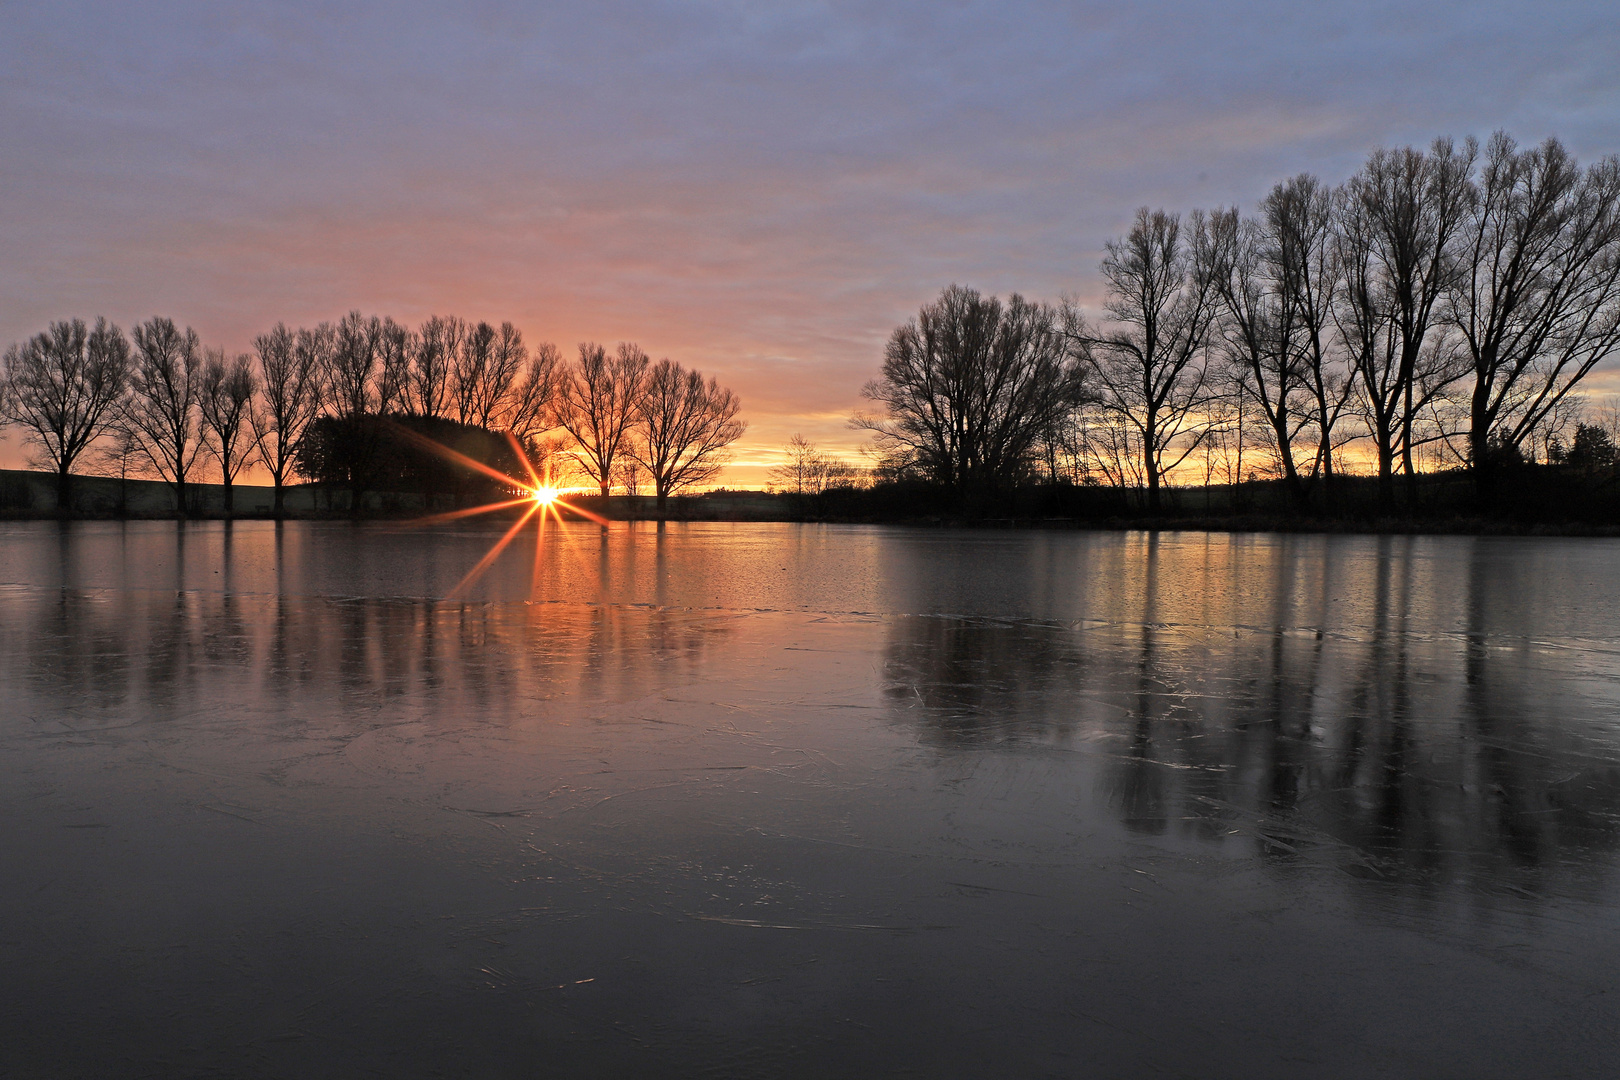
{"type": "Point", "coordinates": [1244, 524]}
{"type": "Point", "coordinates": [31, 496]}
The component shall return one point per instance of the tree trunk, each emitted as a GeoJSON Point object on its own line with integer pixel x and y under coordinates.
{"type": "Point", "coordinates": [278, 502]}
{"type": "Point", "coordinates": [1386, 475]}
{"type": "Point", "coordinates": [1406, 451]}
{"type": "Point", "coordinates": [1291, 480]}
{"type": "Point", "coordinates": [64, 492]}
{"type": "Point", "coordinates": [1150, 459]}
{"type": "Point", "coordinates": [1329, 482]}
{"type": "Point", "coordinates": [1410, 473]}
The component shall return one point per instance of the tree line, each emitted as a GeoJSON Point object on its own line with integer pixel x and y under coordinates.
{"type": "Point", "coordinates": [1445, 302]}
{"type": "Point", "coordinates": [355, 403]}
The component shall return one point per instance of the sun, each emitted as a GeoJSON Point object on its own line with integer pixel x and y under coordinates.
{"type": "Point", "coordinates": [539, 495]}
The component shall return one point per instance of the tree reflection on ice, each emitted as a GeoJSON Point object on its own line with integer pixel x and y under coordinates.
{"type": "Point", "coordinates": [1439, 760]}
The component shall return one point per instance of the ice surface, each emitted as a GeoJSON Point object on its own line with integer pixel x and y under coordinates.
{"type": "Point", "coordinates": [794, 800]}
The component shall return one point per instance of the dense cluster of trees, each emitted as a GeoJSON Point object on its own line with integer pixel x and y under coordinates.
{"type": "Point", "coordinates": [352, 404]}
{"type": "Point", "coordinates": [1443, 304]}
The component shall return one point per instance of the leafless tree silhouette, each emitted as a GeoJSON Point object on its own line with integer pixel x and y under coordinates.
{"type": "Point", "coordinates": [396, 349]}
{"type": "Point", "coordinates": [805, 470]}
{"type": "Point", "coordinates": [487, 370]}
{"type": "Point", "coordinates": [1256, 334]}
{"type": "Point", "coordinates": [1397, 246]}
{"type": "Point", "coordinates": [438, 344]}
{"type": "Point", "coordinates": [290, 367]}
{"type": "Point", "coordinates": [1163, 301]}
{"type": "Point", "coordinates": [1298, 219]}
{"type": "Point", "coordinates": [530, 412]}
{"type": "Point", "coordinates": [161, 409]}
{"type": "Point", "coordinates": [1537, 301]}
{"type": "Point", "coordinates": [476, 377]}
{"type": "Point", "coordinates": [969, 387]}
{"type": "Point", "coordinates": [350, 376]}
{"type": "Point", "coordinates": [225, 401]}
{"type": "Point", "coordinates": [63, 387]}
{"type": "Point", "coordinates": [356, 387]}
{"type": "Point", "coordinates": [597, 402]}
{"type": "Point", "coordinates": [683, 426]}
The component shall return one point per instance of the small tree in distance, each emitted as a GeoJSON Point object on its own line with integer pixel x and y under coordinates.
{"type": "Point", "coordinates": [807, 471]}
{"type": "Point", "coordinates": [803, 470]}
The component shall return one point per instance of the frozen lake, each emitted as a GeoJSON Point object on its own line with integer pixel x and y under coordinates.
{"type": "Point", "coordinates": [782, 800]}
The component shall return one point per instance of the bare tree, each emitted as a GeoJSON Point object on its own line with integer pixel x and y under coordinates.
{"type": "Point", "coordinates": [161, 409]}
{"type": "Point", "coordinates": [1256, 333]}
{"type": "Point", "coordinates": [354, 393]}
{"type": "Point", "coordinates": [1151, 364]}
{"type": "Point", "coordinates": [1225, 413]}
{"type": "Point", "coordinates": [396, 348]}
{"type": "Point", "coordinates": [508, 362]}
{"type": "Point", "coordinates": [533, 400]}
{"type": "Point", "coordinates": [805, 470]}
{"type": "Point", "coordinates": [629, 475]}
{"type": "Point", "coordinates": [121, 456]}
{"type": "Point", "coordinates": [1554, 426]}
{"type": "Point", "coordinates": [970, 386]}
{"type": "Point", "coordinates": [683, 426]}
{"type": "Point", "coordinates": [597, 402]}
{"type": "Point", "coordinates": [225, 402]}
{"type": "Point", "coordinates": [485, 371]}
{"type": "Point", "coordinates": [64, 387]}
{"type": "Point", "coordinates": [438, 344]}
{"type": "Point", "coordinates": [1299, 221]}
{"type": "Point", "coordinates": [290, 367]}
{"type": "Point", "coordinates": [350, 378]}
{"type": "Point", "coordinates": [1112, 446]}
{"type": "Point", "coordinates": [1538, 301]}
{"type": "Point", "coordinates": [1066, 448]}
{"type": "Point", "coordinates": [808, 471]}
{"type": "Point", "coordinates": [1398, 249]}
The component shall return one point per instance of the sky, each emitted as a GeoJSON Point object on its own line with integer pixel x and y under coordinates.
{"type": "Point", "coordinates": [761, 191]}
